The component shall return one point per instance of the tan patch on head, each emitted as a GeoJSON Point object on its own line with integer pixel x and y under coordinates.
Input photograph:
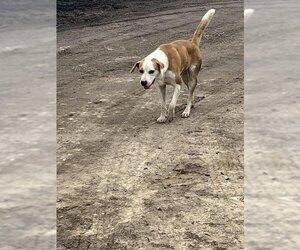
{"type": "Point", "coordinates": [138, 65]}
{"type": "Point", "coordinates": [157, 64]}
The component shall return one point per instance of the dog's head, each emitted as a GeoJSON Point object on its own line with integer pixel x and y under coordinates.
{"type": "Point", "coordinates": [150, 70]}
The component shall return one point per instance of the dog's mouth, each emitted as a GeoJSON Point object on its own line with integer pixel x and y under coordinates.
{"type": "Point", "coordinates": [148, 87]}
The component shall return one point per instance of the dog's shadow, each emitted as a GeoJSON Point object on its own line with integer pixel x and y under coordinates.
{"type": "Point", "coordinates": [181, 107]}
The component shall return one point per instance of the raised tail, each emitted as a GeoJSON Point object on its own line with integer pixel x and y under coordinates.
{"type": "Point", "coordinates": [202, 25]}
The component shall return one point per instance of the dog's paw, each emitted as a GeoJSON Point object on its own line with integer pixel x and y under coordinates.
{"type": "Point", "coordinates": [171, 118]}
{"type": "Point", "coordinates": [171, 114]}
{"type": "Point", "coordinates": [185, 114]}
{"type": "Point", "coordinates": [161, 119]}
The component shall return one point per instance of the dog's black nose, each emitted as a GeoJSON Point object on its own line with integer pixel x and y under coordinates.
{"type": "Point", "coordinates": [144, 83]}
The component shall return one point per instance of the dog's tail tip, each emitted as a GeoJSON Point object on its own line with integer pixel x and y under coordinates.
{"type": "Point", "coordinates": [209, 14]}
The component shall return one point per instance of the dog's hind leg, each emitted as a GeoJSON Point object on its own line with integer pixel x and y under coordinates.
{"type": "Point", "coordinates": [186, 78]}
{"type": "Point", "coordinates": [190, 101]}
{"type": "Point", "coordinates": [192, 89]}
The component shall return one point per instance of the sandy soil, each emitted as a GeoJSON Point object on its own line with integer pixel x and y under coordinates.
{"type": "Point", "coordinates": [126, 182]}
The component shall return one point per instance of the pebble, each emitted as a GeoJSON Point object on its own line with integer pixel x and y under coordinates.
{"type": "Point", "coordinates": [97, 102]}
{"type": "Point", "coordinates": [64, 50]}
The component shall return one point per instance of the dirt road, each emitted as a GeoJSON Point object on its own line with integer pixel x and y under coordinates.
{"type": "Point", "coordinates": [126, 182]}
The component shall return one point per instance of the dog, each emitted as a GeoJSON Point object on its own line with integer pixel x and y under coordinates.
{"type": "Point", "coordinates": [174, 64]}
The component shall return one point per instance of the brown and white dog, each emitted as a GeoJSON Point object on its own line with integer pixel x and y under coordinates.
{"type": "Point", "coordinates": [173, 64]}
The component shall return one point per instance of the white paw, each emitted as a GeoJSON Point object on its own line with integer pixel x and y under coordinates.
{"type": "Point", "coordinates": [185, 114]}
{"type": "Point", "coordinates": [161, 119]}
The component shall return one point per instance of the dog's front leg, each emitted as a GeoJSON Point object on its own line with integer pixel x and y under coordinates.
{"type": "Point", "coordinates": [163, 113]}
{"type": "Point", "coordinates": [171, 112]}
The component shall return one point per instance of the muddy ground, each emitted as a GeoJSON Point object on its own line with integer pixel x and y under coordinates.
{"type": "Point", "coordinates": [126, 182]}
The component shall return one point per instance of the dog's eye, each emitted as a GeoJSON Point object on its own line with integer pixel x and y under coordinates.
{"type": "Point", "coordinates": [151, 71]}
{"type": "Point", "coordinates": [141, 71]}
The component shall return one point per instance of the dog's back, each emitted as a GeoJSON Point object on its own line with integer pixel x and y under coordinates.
{"type": "Point", "coordinates": [182, 54]}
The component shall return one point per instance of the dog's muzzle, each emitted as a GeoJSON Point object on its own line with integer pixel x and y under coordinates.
{"type": "Point", "coordinates": [145, 84]}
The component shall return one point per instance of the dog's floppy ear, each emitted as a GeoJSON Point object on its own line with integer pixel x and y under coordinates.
{"type": "Point", "coordinates": [137, 64]}
{"type": "Point", "coordinates": [157, 64]}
